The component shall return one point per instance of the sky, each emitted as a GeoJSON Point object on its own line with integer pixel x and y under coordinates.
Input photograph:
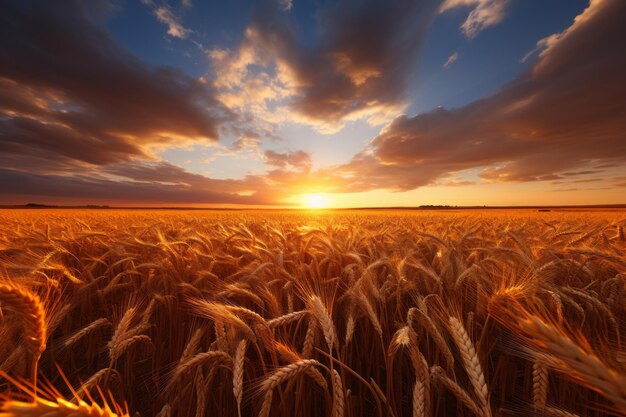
{"type": "Point", "coordinates": [313, 102]}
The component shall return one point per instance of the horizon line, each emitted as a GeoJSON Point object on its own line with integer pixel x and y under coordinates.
{"type": "Point", "coordinates": [35, 206]}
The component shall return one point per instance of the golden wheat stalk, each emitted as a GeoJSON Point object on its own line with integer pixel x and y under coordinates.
{"type": "Point", "coordinates": [48, 402]}
{"type": "Point", "coordinates": [540, 386]}
{"type": "Point", "coordinates": [286, 319]}
{"type": "Point", "coordinates": [105, 374]}
{"type": "Point", "coordinates": [338, 396]}
{"type": "Point", "coordinates": [30, 309]}
{"type": "Point", "coordinates": [290, 355]}
{"type": "Point", "coordinates": [438, 374]}
{"type": "Point", "coordinates": [557, 350]}
{"type": "Point", "coordinates": [221, 313]}
{"type": "Point", "coordinates": [279, 376]}
{"type": "Point", "coordinates": [471, 362]}
{"type": "Point", "coordinates": [238, 366]}
{"type": "Point", "coordinates": [196, 361]}
{"type": "Point", "coordinates": [433, 332]}
{"type": "Point", "coordinates": [192, 344]}
{"type": "Point", "coordinates": [91, 327]}
{"type": "Point", "coordinates": [319, 311]}
{"type": "Point", "coordinates": [418, 399]}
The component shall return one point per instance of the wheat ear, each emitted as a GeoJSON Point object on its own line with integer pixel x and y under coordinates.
{"type": "Point", "coordinates": [439, 375]}
{"type": "Point", "coordinates": [338, 395]}
{"type": "Point", "coordinates": [309, 338]}
{"type": "Point", "coordinates": [434, 333]}
{"type": "Point", "coordinates": [471, 362]}
{"type": "Point", "coordinates": [540, 386]}
{"type": "Point", "coordinates": [29, 307]}
{"type": "Point", "coordinates": [279, 376]}
{"type": "Point", "coordinates": [286, 319]}
{"type": "Point", "coordinates": [557, 350]}
{"type": "Point", "coordinates": [240, 355]}
{"type": "Point", "coordinates": [290, 355]}
{"type": "Point", "coordinates": [418, 399]}
{"type": "Point", "coordinates": [320, 312]}
{"type": "Point", "coordinates": [102, 322]}
{"type": "Point", "coordinates": [198, 360]}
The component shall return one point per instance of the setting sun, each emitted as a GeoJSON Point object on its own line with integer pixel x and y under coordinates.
{"type": "Point", "coordinates": [314, 201]}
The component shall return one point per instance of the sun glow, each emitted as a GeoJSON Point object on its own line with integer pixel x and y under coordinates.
{"type": "Point", "coordinates": [314, 201]}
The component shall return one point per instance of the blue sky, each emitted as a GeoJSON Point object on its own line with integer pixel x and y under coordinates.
{"type": "Point", "coordinates": [484, 64]}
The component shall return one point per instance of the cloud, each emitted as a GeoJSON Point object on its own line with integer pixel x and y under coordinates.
{"type": "Point", "coordinates": [174, 26]}
{"type": "Point", "coordinates": [567, 112]}
{"type": "Point", "coordinates": [542, 44]}
{"type": "Point", "coordinates": [69, 91]}
{"type": "Point", "coordinates": [451, 60]}
{"type": "Point", "coordinates": [139, 182]}
{"type": "Point", "coordinates": [80, 117]}
{"type": "Point", "coordinates": [485, 13]}
{"type": "Point", "coordinates": [286, 4]}
{"type": "Point", "coordinates": [166, 15]}
{"type": "Point", "coordinates": [358, 68]}
{"type": "Point", "coordinates": [157, 184]}
{"type": "Point", "coordinates": [299, 160]}
{"type": "Point", "coordinates": [247, 141]}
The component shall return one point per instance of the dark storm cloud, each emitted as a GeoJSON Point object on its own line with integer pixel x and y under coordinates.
{"type": "Point", "coordinates": [98, 189]}
{"type": "Point", "coordinates": [566, 112]}
{"type": "Point", "coordinates": [79, 115]}
{"type": "Point", "coordinates": [138, 182]}
{"type": "Point", "coordinates": [30, 137]}
{"type": "Point", "coordinates": [369, 50]}
{"type": "Point", "coordinates": [358, 67]}
{"type": "Point", "coordinates": [67, 88]}
{"type": "Point", "coordinates": [143, 182]}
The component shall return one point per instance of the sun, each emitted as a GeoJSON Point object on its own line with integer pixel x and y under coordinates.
{"type": "Point", "coordinates": [314, 201]}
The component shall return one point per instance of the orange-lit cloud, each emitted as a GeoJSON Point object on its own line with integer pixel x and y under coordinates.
{"type": "Point", "coordinates": [484, 13]}
{"type": "Point", "coordinates": [359, 69]}
{"type": "Point", "coordinates": [567, 111]}
{"type": "Point", "coordinates": [94, 102]}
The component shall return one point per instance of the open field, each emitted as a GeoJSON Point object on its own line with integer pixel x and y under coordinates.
{"type": "Point", "coordinates": [368, 313]}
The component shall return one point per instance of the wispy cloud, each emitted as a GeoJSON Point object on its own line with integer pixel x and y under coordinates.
{"type": "Point", "coordinates": [541, 45]}
{"type": "Point", "coordinates": [286, 4]}
{"type": "Point", "coordinates": [175, 27]}
{"type": "Point", "coordinates": [451, 60]}
{"type": "Point", "coordinates": [485, 13]}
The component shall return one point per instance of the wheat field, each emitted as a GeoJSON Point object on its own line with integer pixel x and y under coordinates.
{"type": "Point", "coordinates": [329, 313]}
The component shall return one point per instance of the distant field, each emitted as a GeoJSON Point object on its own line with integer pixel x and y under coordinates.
{"type": "Point", "coordinates": [329, 313]}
